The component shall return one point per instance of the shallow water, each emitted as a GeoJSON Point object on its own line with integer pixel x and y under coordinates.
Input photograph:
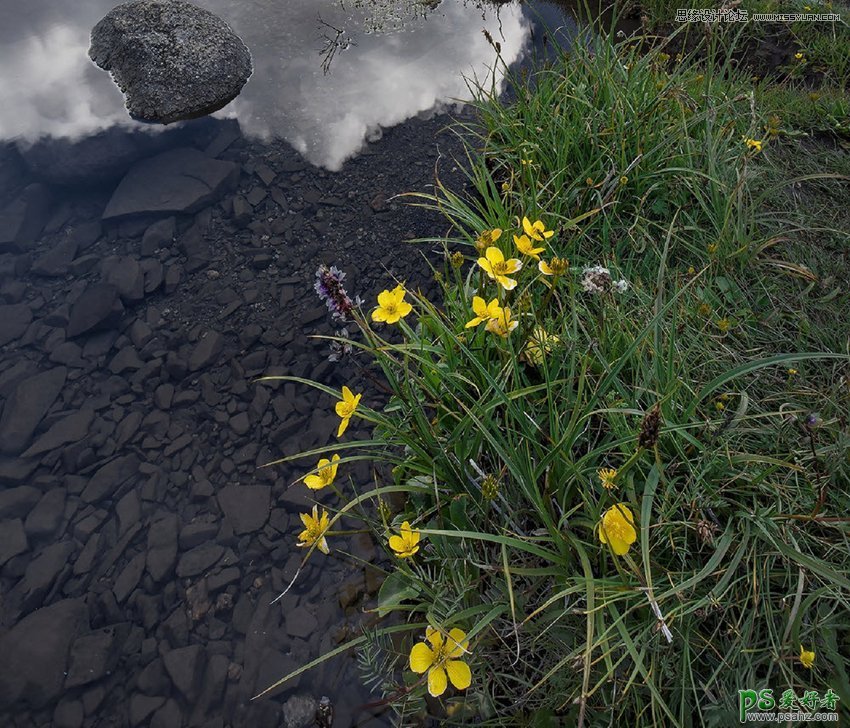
{"type": "Point", "coordinates": [381, 79]}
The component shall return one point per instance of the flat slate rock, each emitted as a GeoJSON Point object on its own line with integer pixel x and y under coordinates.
{"type": "Point", "coordinates": [110, 478]}
{"type": "Point", "coordinates": [173, 60]}
{"type": "Point", "coordinates": [27, 406]}
{"type": "Point", "coordinates": [14, 320]}
{"type": "Point", "coordinates": [182, 180]}
{"type": "Point", "coordinates": [13, 539]}
{"type": "Point", "coordinates": [245, 506]}
{"type": "Point", "coordinates": [41, 640]}
{"type": "Point", "coordinates": [95, 655]}
{"type": "Point", "coordinates": [72, 428]}
{"type": "Point", "coordinates": [97, 307]}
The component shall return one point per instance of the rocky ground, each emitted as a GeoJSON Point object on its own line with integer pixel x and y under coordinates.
{"type": "Point", "coordinates": [140, 542]}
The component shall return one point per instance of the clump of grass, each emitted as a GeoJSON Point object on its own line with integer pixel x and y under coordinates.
{"type": "Point", "coordinates": [620, 501]}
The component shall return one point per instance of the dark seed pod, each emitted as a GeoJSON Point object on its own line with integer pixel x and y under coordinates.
{"type": "Point", "coordinates": [650, 428]}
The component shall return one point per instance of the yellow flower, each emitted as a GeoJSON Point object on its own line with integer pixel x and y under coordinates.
{"type": "Point", "coordinates": [536, 230]}
{"type": "Point", "coordinates": [391, 306]}
{"type": "Point", "coordinates": [497, 268]}
{"type": "Point", "coordinates": [503, 324]}
{"type": "Point", "coordinates": [719, 406]}
{"type": "Point", "coordinates": [753, 144]}
{"type": "Point", "coordinates": [607, 475]}
{"type": "Point", "coordinates": [799, 57]}
{"type": "Point", "coordinates": [556, 267]}
{"type": "Point", "coordinates": [483, 311]}
{"type": "Point", "coordinates": [407, 543]}
{"type": "Point", "coordinates": [792, 372]}
{"type": "Point", "coordinates": [525, 162]}
{"type": "Point", "coordinates": [617, 528]}
{"type": "Point", "coordinates": [691, 270]}
{"type": "Point", "coordinates": [346, 408]}
{"type": "Point", "coordinates": [487, 238]}
{"type": "Point", "coordinates": [441, 659]}
{"type": "Point", "coordinates": [712, 248]}
{"type": "Point", "coordinates": [314, 530]}
{"type": "Point", "coordinates": [807, 657]}
{"type": "Point", "coordinates": [724, 325]}
{"type": "Point", "coordinates": [539, 344]}
{"type": "Point", "coordinates": [526, 247]}
{"type": "Point", "coordinates": [326, 472]}
{"type": "Point", "coordinates": [704, 309]}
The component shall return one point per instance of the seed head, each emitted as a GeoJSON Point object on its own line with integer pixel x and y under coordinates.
{"type": "Point", "coordinates": [650, 428]}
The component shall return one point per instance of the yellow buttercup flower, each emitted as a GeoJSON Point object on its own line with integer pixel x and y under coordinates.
{"type": "Point", "coordinates": [606, 476]}
{"type": "Point", "coordinates": [503, 324]}
{"type": "Point", "coordinates": [487, 238]}
{"type": "Point", "coordinates": [407, 543]}
{"type": "Point", "coordinates": [326, 472]}
{"type": "Point", "coordinates": [753, 144]}
{"type": "Point", "coordinates": [314, 530]}
{"type": "Point", "coordinates": [617, 528]}
{"type": "Point", "coordinates": [555, 267]}
{"type": "Point", "coordinates": [799, 57]}
{"type": "Point", "coordinates": [483, 311]}
{"type": "Point", "coordinates": [442, 659]}
{"type": "Point", "coordinates": [526, 247]}
{"type": "Point", "coordinates": [391, 306]}
{"type": "Point", "coordinates": [498, 269]}
{"type": "Point", "coordinates": [539, 344]}
{"type": "Point", "coordinates": [807, 657]}
{"type": "Point", "coordinates": [345, 409]}
{"type": "Point", "coordinates": [724, 325]}
{"type": "Point", "coordinates": [536, 230]}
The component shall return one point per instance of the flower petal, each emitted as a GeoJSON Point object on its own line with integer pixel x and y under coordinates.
{"type": "Point", "coordinates": [494, 255]}
{"type": "Point", "coordinates": [459, 674]}
{"type": "Point", "coordinates": [435, 637]}
{"type": "Point", "coordinates": [322, 545]}
{"type": "Point", "coordinates": [379, 315]}
{"type": "Point", "coordinates": [437, 682]}
{"type": "Point", "coordinates": [397, 543]}
{"type": "Point", "coordinates": [314, 482]}
{"type": "Point", "coordinates": [386, 299]}
{"type": "Point", "coordinates": [457, 643]}
{"type": "Point", "coordinates": [421, 657]}
{"type": "Point", "coordinates": [342, 426]}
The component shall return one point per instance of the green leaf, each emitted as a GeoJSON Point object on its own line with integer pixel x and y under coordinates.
{"type": "Point", "coordinates": [396, 588]}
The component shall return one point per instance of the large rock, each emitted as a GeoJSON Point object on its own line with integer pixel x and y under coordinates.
{"type": "Point", "coordinates": [245, 506]}
{"type": "Point", "coordinates": [182, 180]}
{"type": "Point", "coordinates": [14, 320]}
{"type": "Point", "coordinates": [35, 653]}
{"type": "Point", "coordinates": [98, 307]}
{"type": "Point", "coordinates": [26, 407]}
{"type": "Point", "coordinates": [173, 60]}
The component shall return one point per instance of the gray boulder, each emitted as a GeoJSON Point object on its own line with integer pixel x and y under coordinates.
{"type": "Point", "coordinates": [173, 60]}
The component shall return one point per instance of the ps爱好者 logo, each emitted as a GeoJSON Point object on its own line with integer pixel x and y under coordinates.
{"type": "Point", "coordinates": [760, 706]}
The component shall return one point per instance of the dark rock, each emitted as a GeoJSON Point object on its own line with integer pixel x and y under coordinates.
{"type": "Point", "coordinates": [45, 637]}
{"type": "Point", "coordinates": [17, 502]}
{"type": "Point", "coordinates": [13, 539]}
{"type": "Point", "coordinates": [97, 307]}
{"type": "Point", "coordinates": [178, 181]}
{"type": "Point", "coordinates": [163, 395]}
{"type": "Point", "coordinates": [126, 275]}
{"type": "Point", "coordinates": [299, 711]}
{"type": "Point", "coordinates": [42, 571]}
{"type": "Point", "coordinates": [44, 520]}
{"type": "Point", "coordinates": [26, 407]}
{"type": "Point", "coordinates": [159, 235]}
{"type": "Point", "coordinates": [206, 351]}
{"type": "Point", "coordinates": [245, 506]}
{"type": "Point", "coordinates": [22, 221]}
{"type": "Point", "coordinates": [173, 60]}
{"type": "Point", "coordinates": [154, 274]}
{"type": "Point", "coordinates": [152, 680]}
{"type": "Point", "coordinates": [168, 716]}
{"type": "Point", "coordinates": [142, 706]}
{"type": "Point", "coordinates": [185, 666]}
{"type": "Point", "coordinates": [129, 578]}
{"type": "Point", "coordinates": [240, 423]}
{"type": "Point", "coordinates": [300, 623]}
{"type": "Point", "coordinates": [199, 559]}
{"type": "Point", "coordinates": [68, 714]}
{"type": "Point", "coordinates": [72, 428]}
{"type": "Point", "coordinates": [14, 321]}
{"type": "Point", "coordinates": [95, 654]}
{"type": "Point", "coordinates": [124, 360]}
{"type": "Point", "coordinates": [56, 261]}
{"type": "Point", "coordinates": [243, 213]}
{"type": "Point", "coordinates": [162, 546]}
{"type": "Point", "coordinates": [110, 477]}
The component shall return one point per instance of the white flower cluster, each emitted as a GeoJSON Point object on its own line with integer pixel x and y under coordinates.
{"type": "Point", "coordinates": [597, 279]}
